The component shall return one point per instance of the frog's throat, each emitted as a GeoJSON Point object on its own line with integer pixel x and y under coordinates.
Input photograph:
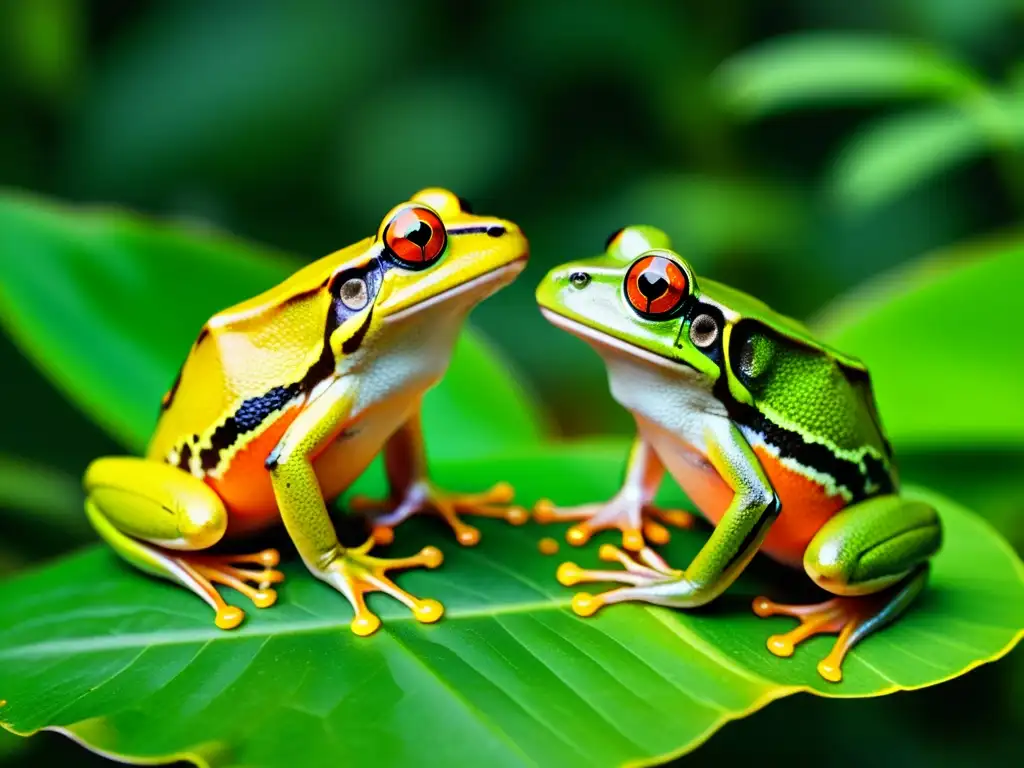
{"type": "Point", "coordinates": [601, 339]}
{"type": "Point", "coordinates": [492, 280]}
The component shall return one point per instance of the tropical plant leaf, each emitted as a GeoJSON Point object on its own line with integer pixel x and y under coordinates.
{"type": "Point", "coordinates": [134, 667]}
{"type": "Point", "coordinates": [895, 154]}
{"type": "Point", "coordinates": [830, 68]}
{"type": "Point", "coordinates": [40, 513]}
{"type": "Point", "coordinates": [108, 305]}
{"type": "Point", "coordinates": [937, 338]}
{"type": "Point", "coordinates": [43, 493]}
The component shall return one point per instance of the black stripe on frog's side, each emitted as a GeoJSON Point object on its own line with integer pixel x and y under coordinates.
{"type": "Point", "coordinates": [255, 410]}
{"type": "Point", "coordinates": [185, 457]}
{"type": "Point", "coordinates": [247, 417]}
{"type": "Point", "coordinates": [169, 397]}
{"type": "Point", "coordinates": [861, 479]}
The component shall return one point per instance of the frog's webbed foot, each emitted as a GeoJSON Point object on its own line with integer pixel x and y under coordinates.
{"type": "Point", "coordinates": [629, 515]}
{"type": "Point", "coordinates": [641, 572]}
{"type": "Point", "coordinates": [203, 571]}
{"type": "Point", "coordinates": [853, 618]}
{"type": "Point", "coordinates": [357, 573]}
{"type": "Point", "coordinates": [424, 496]}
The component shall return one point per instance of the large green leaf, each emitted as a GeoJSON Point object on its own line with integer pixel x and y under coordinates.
{"type": "Point", "coordinates": [943, 342]}
{"type": "Point", "coordinates": [40, 492]}
{"type": "Point", "coordinates": [892, 155]}
{"type": "Point", "coordinates": [40, 512]}
{"type": "Point", "coordinates": [134, 667]}
{"type": "Point", "coordinates": [108, 305]}
{"type": "Point", "coordinates": [828, 68]}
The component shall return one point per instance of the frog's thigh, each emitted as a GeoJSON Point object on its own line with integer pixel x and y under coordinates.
{"type": "Point", "coordinates": [145, 509]}
{"type": "Point", "coordinates": [155, 502]}
{"type": "Point", "coordinates": [872, 545]}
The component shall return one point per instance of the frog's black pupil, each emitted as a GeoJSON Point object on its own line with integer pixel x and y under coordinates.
{"type": "Point", "coordinates": [652, 284]}
{"type": "Point", "coordinates": [464, 205]}
{"type": "Point", "coordinates": [611, 237]}
{"type": "Point", "coordinates": [420, 235]}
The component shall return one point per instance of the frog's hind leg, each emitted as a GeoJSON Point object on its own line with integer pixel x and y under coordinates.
{"type": "Point", "coordinates": [874, 557]}
{"type": "Point", "coordinates": [157, 517]}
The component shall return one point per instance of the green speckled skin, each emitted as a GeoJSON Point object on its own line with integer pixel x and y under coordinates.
{"type": "Point", "coordinates": [809, 391]}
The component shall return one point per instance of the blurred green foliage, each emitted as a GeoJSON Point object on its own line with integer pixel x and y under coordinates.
{"type": "Point", "coordinates": [794, 149]}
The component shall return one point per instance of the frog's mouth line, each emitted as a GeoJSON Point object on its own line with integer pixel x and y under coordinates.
{"type": "Point", "coordinates": [502, 275]}
{"type": "Point", "coordinates": [603, 339]}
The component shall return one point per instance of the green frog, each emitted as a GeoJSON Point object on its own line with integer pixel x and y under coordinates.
{"type": "Point", "coordinates": [773, 435]}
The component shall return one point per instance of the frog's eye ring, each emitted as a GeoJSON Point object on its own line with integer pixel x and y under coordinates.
{"type": "Point", "coordinates": [415, 237]}
{"type": "Point", "coordinates": [354, 293]}
{"type": "Point", "coordinates": [656, 286]}
{"type": "Point", "coordinates": [703, 331]}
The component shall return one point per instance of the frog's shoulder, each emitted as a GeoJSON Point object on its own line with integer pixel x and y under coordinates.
{"type": "Point", "coordinates": [739, 307]}
{"type": "Point", "coordinates": [257, 351]}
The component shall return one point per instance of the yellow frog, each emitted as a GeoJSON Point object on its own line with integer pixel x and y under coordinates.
{"type": "Point", "coordinates": [286, 398]}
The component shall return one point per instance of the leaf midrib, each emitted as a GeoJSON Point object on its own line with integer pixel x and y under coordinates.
{"type": "Point", "coordinates": [185, 636]}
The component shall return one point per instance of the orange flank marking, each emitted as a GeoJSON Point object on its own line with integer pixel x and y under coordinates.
{"type": "Point", "coordinates": [245, 487]}
{"type": "Point", "coordinates": [547, 546]}
{"type": "Point", "coordinates": [806, 506]}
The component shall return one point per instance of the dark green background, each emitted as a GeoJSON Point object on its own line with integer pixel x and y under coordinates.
{"type": "Point", "coordinates": [299, 124]}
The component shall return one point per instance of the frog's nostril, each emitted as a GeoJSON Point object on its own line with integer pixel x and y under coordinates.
{"type": "Point", "coordinates": [579, 279]}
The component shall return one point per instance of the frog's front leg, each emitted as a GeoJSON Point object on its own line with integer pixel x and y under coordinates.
{"type": "Point", "coordinates": [411, 492]}
{"type": "Point", "coordinates": [874, 556]}
{"type": "Point", "coordinates": [630, 510]}
{"type": "Point", "coordinates": [353, 572]}
{"type": "Point", "coordinates": [734, 541]}
{"type": "Point", "coordinates": [158, 518]}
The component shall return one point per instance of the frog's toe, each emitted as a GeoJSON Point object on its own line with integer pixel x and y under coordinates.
{"type": "Point", "coordinates": [634, 519]}
{"type": "Point", "coordinates": [228, 617]}
{"type": "Point", "coordinates": [202, 572]}
{"type": "Point", "coordinates": [423, 496]}
{"type": "Point", "coordinates": [222, 569]}
{"type": "Point", "coordinates": [853, 618]}
{"type": "Point", "coordinates": [640, 571]}
{"type": "Point", "coordinates": [356, 573]}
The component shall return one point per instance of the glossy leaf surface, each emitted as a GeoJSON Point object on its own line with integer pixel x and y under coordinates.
{"type": "Point", "coordinates": [937, 338]}
{"type": "Point", "coordinates": [510, 676]}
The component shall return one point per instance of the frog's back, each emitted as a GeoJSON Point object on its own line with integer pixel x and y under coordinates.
{"type": "Point", "coordinates": [247, 366]}
{"type": "Point", "coordinates": [812, 408]}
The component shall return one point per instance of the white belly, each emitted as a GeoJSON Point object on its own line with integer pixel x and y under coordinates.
{"type": "Point", "coordinates": [668, 401]}
{"type": "Point", "coordinates": [389, 387]}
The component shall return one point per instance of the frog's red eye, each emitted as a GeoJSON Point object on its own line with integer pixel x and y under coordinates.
{"type": "Point", "coordinates": [415, 237]}
{"type": "Point", "coordinates": [655, 286]}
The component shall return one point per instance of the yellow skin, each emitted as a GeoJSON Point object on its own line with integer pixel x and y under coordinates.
{"type": "Point", "coordinates": [286, 398]}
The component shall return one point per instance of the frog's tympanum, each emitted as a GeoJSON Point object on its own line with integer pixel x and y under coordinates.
{"type": "Point", "coordinates": [285, 399]}
{"type": "Point", "coordinates": [773, 435]}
